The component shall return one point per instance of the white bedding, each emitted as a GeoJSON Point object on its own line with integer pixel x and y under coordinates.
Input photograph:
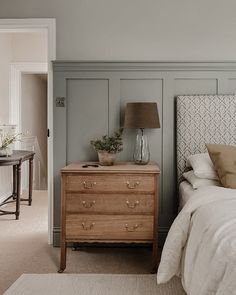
{"type": "Point", "coordinates": [201, 244]}
{"type": "Point", "coordinates": [185, 192]}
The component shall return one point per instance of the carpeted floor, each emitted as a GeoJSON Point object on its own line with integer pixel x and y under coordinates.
{"type": "Point", "coordinates": [24, 249]}
{"type": "Point", "coordinates": [92, 284]}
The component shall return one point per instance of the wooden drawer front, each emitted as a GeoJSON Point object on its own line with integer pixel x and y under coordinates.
{"type": "Point", "coordinates": [111, 183]}
{"type": "Point", "coordinates": [107, 227]}
{"type": "Point", "coordinates": [115, 203]}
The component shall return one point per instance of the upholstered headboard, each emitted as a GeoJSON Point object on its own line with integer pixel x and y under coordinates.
{"type": "Point", "coordinates": [203, 119]}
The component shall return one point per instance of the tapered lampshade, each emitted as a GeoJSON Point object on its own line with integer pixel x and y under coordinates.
{"type": "Point", "coordinates": [141, 115]}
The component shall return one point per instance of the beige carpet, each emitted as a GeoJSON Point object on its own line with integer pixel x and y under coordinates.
{"type": "Point", "coordinates": [92, 284]}
{"type": "Point", "coordinates": [24, 249]}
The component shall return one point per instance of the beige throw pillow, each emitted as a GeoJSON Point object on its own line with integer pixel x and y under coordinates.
{"type": "Point", "coordinates": [224, 160]}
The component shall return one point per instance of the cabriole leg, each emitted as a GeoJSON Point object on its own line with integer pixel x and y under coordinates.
{"type": "Point", "coordinates": [63, 257]}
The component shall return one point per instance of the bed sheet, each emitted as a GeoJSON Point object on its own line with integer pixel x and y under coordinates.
{"type": "Point", "coordinates": [185, 192]}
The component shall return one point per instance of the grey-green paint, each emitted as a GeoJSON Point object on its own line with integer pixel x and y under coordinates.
{"type": "Point", "coordinates": [136, 29]}
{"type": "Point", "coordinates": [96, 93]}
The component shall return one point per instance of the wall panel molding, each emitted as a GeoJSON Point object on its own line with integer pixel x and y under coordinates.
{"type": "Point", "coordinates": [136, 81]}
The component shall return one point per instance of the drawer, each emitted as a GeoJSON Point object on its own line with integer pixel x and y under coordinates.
{"type": "Point", "coordinates": [110, 183]}
{"type": "Point", "coordinates": [112, 203]}
{"type": "Point", "coordinates": [108, 227]}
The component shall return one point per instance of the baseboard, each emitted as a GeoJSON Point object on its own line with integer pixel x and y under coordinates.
{"type": "Point", "coordinates": [162, 233]}
{"type": "Point", "coordinates": [56, 236]}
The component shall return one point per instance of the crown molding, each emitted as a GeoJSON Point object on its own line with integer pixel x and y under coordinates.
{"type": "Point", "coordinates": [115, 66]}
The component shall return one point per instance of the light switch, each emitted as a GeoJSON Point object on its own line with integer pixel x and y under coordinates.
{"type": "Point", "coordinates": [60, 102]}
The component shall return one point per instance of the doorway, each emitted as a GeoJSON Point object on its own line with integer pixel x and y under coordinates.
{"type": "Point", "coordinates": [47, 26]}
{"type": "Point", "coordinates": [34, 127]}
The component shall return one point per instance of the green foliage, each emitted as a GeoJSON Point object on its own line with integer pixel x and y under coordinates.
{"type": "Point", "coordinates": [8, 139]}
{"type": "Point", "coordinates": [111, 144]}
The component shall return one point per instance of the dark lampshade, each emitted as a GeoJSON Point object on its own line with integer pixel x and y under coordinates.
{"type": "Point", "coordinates": [141, 115]}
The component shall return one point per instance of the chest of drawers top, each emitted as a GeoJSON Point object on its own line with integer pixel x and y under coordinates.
{"type": "Point", "coordinates": [117, 168]}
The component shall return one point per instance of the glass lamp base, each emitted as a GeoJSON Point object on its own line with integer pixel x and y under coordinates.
{"type": "Point", "coordinates": [141, 151]}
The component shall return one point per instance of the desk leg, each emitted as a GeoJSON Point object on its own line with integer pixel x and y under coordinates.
{"type": "Point", "coordinates": [14, 181]}
{"type": "Point", "coordinates": [63, 257]}
{"type": "Point", "coordinates": [30, 180]}
{"type": "Point", "coordinates": [18, 190]}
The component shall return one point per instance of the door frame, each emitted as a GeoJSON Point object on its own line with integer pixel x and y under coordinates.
{"type": "Point", "coordinates": [25, 25]}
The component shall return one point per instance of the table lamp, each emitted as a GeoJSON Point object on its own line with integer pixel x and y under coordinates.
{"type": "Point", "coordinates": [141, 115]}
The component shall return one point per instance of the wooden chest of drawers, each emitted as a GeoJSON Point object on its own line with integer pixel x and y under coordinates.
{"type": "Point", "coordinates": [109, 204]}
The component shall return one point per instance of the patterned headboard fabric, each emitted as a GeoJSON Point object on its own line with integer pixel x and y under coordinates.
{"type": "Point", "coordinates": [203, 119]}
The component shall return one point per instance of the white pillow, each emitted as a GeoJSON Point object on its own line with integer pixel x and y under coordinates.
{"type": "Point", "coordinates": [197, 182]}
{"type": "Point", "coordinates": [202, 166]}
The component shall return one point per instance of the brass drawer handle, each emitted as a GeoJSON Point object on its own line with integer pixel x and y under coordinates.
{"type": "Point", "coordinates": [132, 228]}
{"type": "Point", "coordinates": [89, 204]}
{"type": "Point", "coordinates": [132, 186]}
{"type": "Point", "coordinates": [87, 227]}
{"type": "Point", "coordinates": [89, 184]}
{"type": "Point", "coordinates": [132, 206]}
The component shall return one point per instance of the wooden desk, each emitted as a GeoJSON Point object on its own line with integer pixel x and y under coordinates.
{"type": "Point", "coordinates": [17, 158]}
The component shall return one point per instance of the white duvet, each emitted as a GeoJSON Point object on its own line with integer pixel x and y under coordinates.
{"type": "Point", "coordinates": [201, 244]}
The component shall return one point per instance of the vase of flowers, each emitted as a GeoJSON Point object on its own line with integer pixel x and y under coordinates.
{"type": "Point", "coordinates": [6, 142]}
{"type": "Point", "coordinates": [107, 147]}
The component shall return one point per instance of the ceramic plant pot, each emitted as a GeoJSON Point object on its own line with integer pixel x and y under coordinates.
{"type": "Point", "coordinates": [106, 158]}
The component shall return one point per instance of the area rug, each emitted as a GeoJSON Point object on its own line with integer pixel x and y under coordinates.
{"type": "Point", "coordinates": [92, 284]}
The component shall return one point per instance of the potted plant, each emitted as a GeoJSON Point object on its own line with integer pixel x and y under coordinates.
{"type": "Point", "coordinates": [107, 147]}
{"type": "Point", "coordinates": [6, 141]}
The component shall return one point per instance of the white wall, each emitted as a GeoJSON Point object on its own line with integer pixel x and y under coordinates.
{"type": "Point", "coordinates": [29, 47]}
{"type": "Point", "coordinates": [136, 29]}
{"type": "Point", "coordinates": [34, 108]}
{"type": "Point", "coordinates": [17, 47]}
{"type": "Point", "coordinates": [34, 121]}
{"type": "Point", "coordinates": [5, 59]}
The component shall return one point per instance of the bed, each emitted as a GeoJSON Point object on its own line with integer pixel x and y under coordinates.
{"type": "Point", "coordinates": [201, 244]}
{"type": "Point", "coordinates": [185, 193]}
